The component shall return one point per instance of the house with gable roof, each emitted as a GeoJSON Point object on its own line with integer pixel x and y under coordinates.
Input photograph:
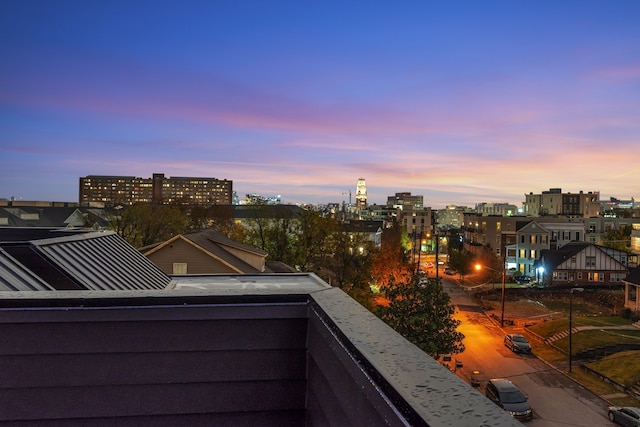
{"type": "Point", "coordinates": [532, 237]}
{"type": "Point", "coordinates": [209, 252]}
{"type": "Point", "coordinates": [583, 264]}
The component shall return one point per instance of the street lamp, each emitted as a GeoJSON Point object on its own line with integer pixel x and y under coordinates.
{"type": "Point", "coordinates": [540, 276]}
{"type": "Point", "coordinates": [479, 267]}
{"type": "Point", "coordinates": [570, 319]}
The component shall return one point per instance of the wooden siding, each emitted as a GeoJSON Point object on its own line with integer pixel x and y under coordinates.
{"type": "Point", "coordinates": [254, 260]}
{"type": "Point", "coordinates": [198, 262]}
{"type": "Point", "coordinates": [239, 364]}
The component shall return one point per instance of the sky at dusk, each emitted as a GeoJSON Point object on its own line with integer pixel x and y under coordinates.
{"type": "Point", "coordinates": [460, 101]}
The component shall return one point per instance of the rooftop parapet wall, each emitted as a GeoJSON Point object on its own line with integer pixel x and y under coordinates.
{"type": "Point", "coordinates": [274, 354]}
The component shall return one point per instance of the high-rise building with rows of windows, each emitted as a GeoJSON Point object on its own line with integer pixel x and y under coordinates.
{"type": "Point", "coordinates": [126, 190]}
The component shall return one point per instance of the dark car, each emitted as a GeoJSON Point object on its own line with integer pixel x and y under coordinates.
{"type": "Point", "coordinates": [522, 280]}
{"type": "Point", "coordinates": [517, 343]}
{"type": "Point", "coordinates": [449, 271]}
{"type": "Point", "coordinates": [625, 416]}
{"type": "Point", "coordinates": [506, 395]}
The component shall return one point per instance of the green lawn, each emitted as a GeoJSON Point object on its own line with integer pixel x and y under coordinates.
{"type": "Point", "coordinates": [583, 340]}
{"type": "Point", "coordinates": [622, 367]}
{"type": "Point", "coordinates": [551, 327]}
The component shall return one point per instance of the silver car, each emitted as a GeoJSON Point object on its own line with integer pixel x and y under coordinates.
{"type": "Point", "coordinates": [625, 416]}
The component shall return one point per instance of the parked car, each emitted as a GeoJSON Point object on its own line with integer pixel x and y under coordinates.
{"type": "Point", "coordinates": [508, 396]}
{"type": "Point", "coordinates": [517, 343]}
{"type": "Point", "coordinates": [521, 280]}
{"type": "Point", "coordinates": [625, 416]}
{"type": "Point", "coordinates": [449, 271]}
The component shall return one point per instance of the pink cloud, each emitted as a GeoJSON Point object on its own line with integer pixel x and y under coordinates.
{"type": "Point", "coordinates": [619, 74]}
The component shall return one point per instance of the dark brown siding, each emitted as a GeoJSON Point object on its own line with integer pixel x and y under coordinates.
{"type": "Point", "coordinates": [242, 366]}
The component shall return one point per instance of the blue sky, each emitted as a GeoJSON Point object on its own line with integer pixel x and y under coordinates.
{"type": "Point", "coordinates": [463, 102]}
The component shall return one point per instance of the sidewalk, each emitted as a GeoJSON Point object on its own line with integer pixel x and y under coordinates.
{"type": "Point", "coordinates": [565, 333]}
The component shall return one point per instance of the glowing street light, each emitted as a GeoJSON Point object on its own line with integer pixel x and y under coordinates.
{"type": "Point", "coordinates": [480, 267]}
{"type": "Point", "coordinates": [571, 291]}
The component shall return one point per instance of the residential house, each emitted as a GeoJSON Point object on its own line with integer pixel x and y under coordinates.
{"type": "Point", "coordinates": [365, 231]}
{"type": "Point", "coordinates": [583, 264]}
{"type": "Point", "coordinates": [532, 237]}
{"type": "Point", "coordinates": [209, 252]}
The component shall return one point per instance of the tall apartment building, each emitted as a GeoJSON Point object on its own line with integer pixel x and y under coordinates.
{"type": "Point", "coordinates": [126, 190]}
{"type": "Point", "coordinates": [406, 201]}
{"type": "Point", "coordinates": [555, 202]}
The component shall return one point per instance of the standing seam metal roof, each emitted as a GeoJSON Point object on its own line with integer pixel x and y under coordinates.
{"type": "Point", "coordinates": [103, 261]}
{"type": "Point", "coordinates": [16, 277]}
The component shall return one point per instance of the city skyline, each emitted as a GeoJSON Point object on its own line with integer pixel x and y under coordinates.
{"type": "Point", "coordinates": [462, 103]}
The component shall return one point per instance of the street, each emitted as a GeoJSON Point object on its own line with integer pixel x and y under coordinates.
{"type": "Point", "coordinates": [556, 399]}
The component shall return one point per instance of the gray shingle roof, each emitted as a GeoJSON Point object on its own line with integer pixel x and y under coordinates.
{"type": "Point", "coordinates": [634, 276]}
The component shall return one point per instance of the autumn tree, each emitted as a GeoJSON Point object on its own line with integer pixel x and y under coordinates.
{"type": "Point", "coordinates": [144, 224]}
{"type": "Point", "coordinates": [421, 311]}
{"type": "Point", "coordinates": [391, 262]}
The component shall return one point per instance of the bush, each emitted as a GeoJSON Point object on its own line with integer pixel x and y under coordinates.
{"type": "Point", "coordinates": [627, 313]}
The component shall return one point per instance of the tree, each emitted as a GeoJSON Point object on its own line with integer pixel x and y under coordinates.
{"type": "Point", "coordinates": [144, 224]}
{"type": "Point", "coordinates": [461, 261]}
{"type": "Point", "coordinates": [421, 311]}
{"type": "Point", "coordinates": [454, 240]}
{"type": "Point", "coordinates": [391, 263]}
{"type": "Point", "coordinates": [491, 264]}
{"type": "Point", "coordinates": [618, 238]}
{"type": "Point", "coordinates": [312, 242]}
